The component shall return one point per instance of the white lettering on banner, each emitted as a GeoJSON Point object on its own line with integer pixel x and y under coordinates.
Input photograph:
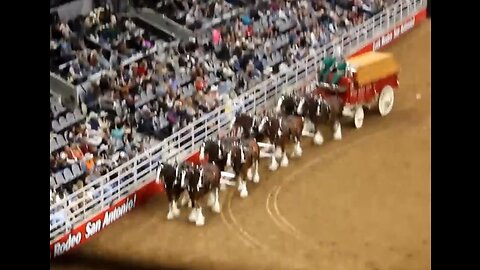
{"type": "Point", "coordinates": [395, 33]}
{"type": "Point", "coordinates": [92, 228]}
{"type": "Point", "coordinates": [71, 242]}
{"type": "Point", "coordinates": [119, 211]}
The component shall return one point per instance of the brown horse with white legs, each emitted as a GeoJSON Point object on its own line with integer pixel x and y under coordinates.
{"type": "Point", "coordinates": [243, 157]}
{"type": "Point", "coordinates": [322, 109]}
{"type": "Point", "coordinates": [281, 130]}
{"type": "Point", "coordinates": [203, 180]}
{"type": "Point", "coordinates": [173, 177]}
{"type": "Point", "coordinates": [245, 126]}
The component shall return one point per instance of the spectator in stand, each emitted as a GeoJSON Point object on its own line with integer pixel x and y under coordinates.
{"type": "Point", "coordinates": [159, 95]}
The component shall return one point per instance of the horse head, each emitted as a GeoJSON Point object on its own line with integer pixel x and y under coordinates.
{"type": "Point", "coordinates": [232, 123]}
{"type": "Point", "coordinates": [201, 156]}
{"type": "Point", "coordinates": [300, 106]}
{"type": "Point", "coordinates": [265, 121]}
{"type": "Point", "coordinates": [278, 108]}
{"type": "Point", "coordinates": [161, 165]}
{"type": "Point", "coordinates": [254, 123]}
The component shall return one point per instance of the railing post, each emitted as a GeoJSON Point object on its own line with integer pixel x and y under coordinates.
{"type": "Point", "coordinates": [193, 136]}
{"type": "Point", "coordinates": [84, 199]}
{"type": "Point", "coordinates": [296, 73]}
{"type": "Point", "coordinates": [135, 169]}
{"type": "Point", "coordinates": [149, 154]}
{"type": "Point", "coordinates": [102, 197]}
{"type": "Point", "coordinates": [276, 86]}
{"type": "Point", "coordinates": [408, 7]}
{"type": "Point", "coordinates": [373, 28]}
{"type": "Point", "coordinates": [401, 10]}
{"type": "Point", "coordinates": [67, 212]}
{"type": "Point", "coordinates": [388, 18]}
{"type": "Point", "coordinates": [118, 186]}
{"type": "Point", "coordinates": [218, 121]}
{"type": "Point", "coordinates": [381, 24]}
{"type": "Point", "coordinates": [254, 100]}
{"type": "Point", "coordinates": [306, 67]}
{"type": "Point", "coordinates": [205, 126]}
{"type": "Point", "coordinates": [265, 95]}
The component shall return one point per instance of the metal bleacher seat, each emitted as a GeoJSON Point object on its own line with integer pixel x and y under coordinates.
{"type": "Point", "coordinates": [53, 145]}
{"type": "Point", "coordinates": [53, 184]}
{"type": "Point", "coordinates": [68, 175]}
{"type": "Point", "coordinates": [70, 118]}
{"type": "Point", "coordinates": [78, 114]}
{"type": "Point", "coordinates": [59, 178]}
{"type": "Point", "coordinates": [76, 170]}
{"type": "Point", "coordinates": [61, 142]}
{"type": "Point", "coordinates": [63, 122]}
{"type": "Point", "coordinates": [56, 126]}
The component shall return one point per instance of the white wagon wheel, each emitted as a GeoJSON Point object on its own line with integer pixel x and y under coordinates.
{"type": "Point", "coordinates": [358, 117]}
{"type": "Point", "coordinates": [386, 100]}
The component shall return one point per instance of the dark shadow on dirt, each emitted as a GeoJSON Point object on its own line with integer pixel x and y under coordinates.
{"type": "Point", "coordinates": [77, 261]}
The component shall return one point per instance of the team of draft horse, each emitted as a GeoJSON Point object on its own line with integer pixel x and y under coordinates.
{"type": "Point", "coordinates": [238, 152]}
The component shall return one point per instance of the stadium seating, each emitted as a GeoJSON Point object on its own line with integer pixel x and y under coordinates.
{"type": "Point", "coordinates": [133, 102]}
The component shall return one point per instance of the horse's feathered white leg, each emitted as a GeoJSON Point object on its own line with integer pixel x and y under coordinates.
{"type": "Point", "coordinates": [193, 215]}
{"type": "Point", "coordinates": [243, 188]}
{"type": "Point", "coordinates": [337, 131]}
{"type": "Point", "coordinates": [278, 152]}
{"type": "Point", "coordinates": [216, 204]}
{"type": "Point", "coordinates": [284, 162]}
{"type": "Point", "coordinates": [211, 199]}
{"type": "Point", "coordinates": [249, 173]}
{"type": "Point", "coordinates": [274, 164]}
{"type": "Point", "coordinates": [175, 210]}
{"type": "Point", "coordinates": [298, 149]}
{"type": "Point", "coordinates": [170, 214]}
{"type": "Point", "coordinates": [200, 218]}
{"type": "Point", "coordinates": [256, 177]}
{"type": "Point", "coordinates": [318, 138]}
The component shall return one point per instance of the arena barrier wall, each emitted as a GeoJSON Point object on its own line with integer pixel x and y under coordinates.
{"type": "Point", "coordinates": [144, 187]}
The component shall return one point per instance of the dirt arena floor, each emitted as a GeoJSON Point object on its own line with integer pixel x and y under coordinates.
{"type": "Point", "coordinates": [361, 203]}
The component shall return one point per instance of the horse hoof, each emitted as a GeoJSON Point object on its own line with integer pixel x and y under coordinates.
{"type": "Point", "coordinates": [318, 139]}
{"type": "Point", "coordinates": [200, 221]}
{"type": "Point", "coordinates": [216, 208]}
{"type": "Point", "coordinates": [176, 212]}
{"type": "Point", "coordinates": [273, 167]}
{"type": "Point", "coordinates": [284, 162]}
{"type": "Point", "coordinates": [170, 216]}
{"type": "Point", "coordinates": [243, 193]}
{"type": "Point", "coordinates": [193, 216]}
{"type": "Point", "coordinates": [256, 179]}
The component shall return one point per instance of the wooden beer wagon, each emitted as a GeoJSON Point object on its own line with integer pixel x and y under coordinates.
{"type": "Point", "coordinates": [368, 82]}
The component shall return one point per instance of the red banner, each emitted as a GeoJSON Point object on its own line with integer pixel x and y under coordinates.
{"type": "Point", "coordinates": [387, 38]}
{"type": "Point", "coordinates": [90, 228]}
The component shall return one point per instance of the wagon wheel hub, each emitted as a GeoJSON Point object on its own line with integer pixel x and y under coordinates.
{"type": "Point", "coordinates": [386, 100]}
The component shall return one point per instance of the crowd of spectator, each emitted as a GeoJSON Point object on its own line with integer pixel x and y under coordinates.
{"type": "Point", "coordinates": [161, 93]}
{"type": "Point", "coordinates": [88, 44]}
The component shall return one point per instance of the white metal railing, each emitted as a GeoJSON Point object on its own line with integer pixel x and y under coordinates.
{"type": "Point", "coordinates": [139, 171]}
